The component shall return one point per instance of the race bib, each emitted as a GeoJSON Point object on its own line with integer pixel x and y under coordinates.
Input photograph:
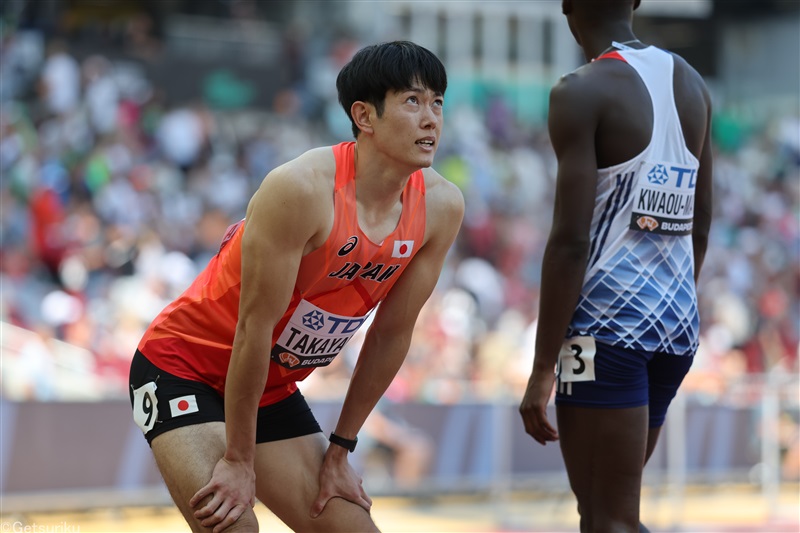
{"type": "Point", "coordinates": [313, 337]}
{"type": "Point", "coordinates": [663, 198]}
{"type": "Point", "coordinates": [145, 406]}
{"type": "Point", "coordinates": [576, 360]}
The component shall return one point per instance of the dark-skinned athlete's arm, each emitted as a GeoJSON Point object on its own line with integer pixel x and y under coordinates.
{"type": "Point", "coordinates": [387, 341]}
{"type": "Point", "coordinates": [572, 121]}
{"type": "Point", "coordinates": [278, 228]}
{"type": "Point", "coordinates": [703, 198]}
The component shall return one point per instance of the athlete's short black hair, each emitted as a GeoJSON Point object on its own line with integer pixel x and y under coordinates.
{"type": "Point", "coordinates": [391, 66]}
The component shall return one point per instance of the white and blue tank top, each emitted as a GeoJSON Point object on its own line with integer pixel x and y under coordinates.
{"type": "Point", "coordinates": [639, 290]}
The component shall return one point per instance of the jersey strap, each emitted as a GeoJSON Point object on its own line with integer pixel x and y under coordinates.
{"type": "Point", "coordinates": [611, 55]}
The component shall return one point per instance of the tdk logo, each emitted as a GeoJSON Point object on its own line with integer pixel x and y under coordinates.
{"type": "Point", "coordinates": [658, 175]}
{"type": "Point", "coordinates": [314, 320]}
{"type": "Point", "coordinates": [678, 177]}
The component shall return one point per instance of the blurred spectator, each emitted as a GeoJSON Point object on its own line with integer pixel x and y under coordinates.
{"type": "Point", "coordinates": [102, 95]}
{"type": "Point", "coordinates": [60, 86]}
{"type": "Point", "coordinates": [181, 136]}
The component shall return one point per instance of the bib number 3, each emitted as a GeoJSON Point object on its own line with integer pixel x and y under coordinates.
{"type": "Point", "coordinates": [576, 360]}
{"type": "Point", "coordinates": [145, 406]}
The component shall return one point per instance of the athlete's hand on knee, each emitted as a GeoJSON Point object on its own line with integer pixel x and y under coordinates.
{"type": "Point", "coordinates": [534, 407]}
{"type": "Point", "coordinates": [232, 488]}
{"type": "Point", "coordinates": [337, 479]}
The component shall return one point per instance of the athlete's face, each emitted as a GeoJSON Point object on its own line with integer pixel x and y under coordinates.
{"type": "Point", "coordinates": [411, 125]}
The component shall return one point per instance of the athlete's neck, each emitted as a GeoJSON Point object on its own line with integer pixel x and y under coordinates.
{"type": "Point", "coordinates": [597, 41]}
{"type": "Point", "coordinates": [378, 185]}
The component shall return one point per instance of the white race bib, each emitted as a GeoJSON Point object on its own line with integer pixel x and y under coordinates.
{"type": "Point", "coordinates": [145, 406]}
{"type": "Point", "coordinates": [576, 360]}
{"type": "Point", "coordinates": [313, 337]}
{"type": "Point", "coordinates": [663, 198]}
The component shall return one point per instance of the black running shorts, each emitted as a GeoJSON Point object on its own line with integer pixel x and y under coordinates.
{"type": "Point", "coordinates": [162, 402]}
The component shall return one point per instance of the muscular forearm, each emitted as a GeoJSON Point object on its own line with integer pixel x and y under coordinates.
{"type": "Point", "coordinates": [380, 359]}
{"type": "Point", "coordinates": [563, 269]}
{"type": "Point", "coordinates": [247, 374]}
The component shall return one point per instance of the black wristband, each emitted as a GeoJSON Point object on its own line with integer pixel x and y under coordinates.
{"type": "Point", "coordinates": [347, 444]}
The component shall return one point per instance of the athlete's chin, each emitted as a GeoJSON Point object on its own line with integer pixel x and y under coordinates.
{"type": "Point", "coordinates": [424, 162]}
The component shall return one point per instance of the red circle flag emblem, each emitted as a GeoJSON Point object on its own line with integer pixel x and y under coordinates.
{"type": "Point", "coordinates": [402, 248]}
{"type": "Point", "coordinates": [183, 405]}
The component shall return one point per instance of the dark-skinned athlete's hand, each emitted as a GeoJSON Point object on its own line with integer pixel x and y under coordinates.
{"type": "Point", "coordinates": [534, 406]}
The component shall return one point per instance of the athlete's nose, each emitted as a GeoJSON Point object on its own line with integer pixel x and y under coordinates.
{"type": "Point", "coordinates": [430, 118]}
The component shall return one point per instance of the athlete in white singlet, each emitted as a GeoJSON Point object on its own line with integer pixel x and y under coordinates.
{"type": "Point", "coordinates": [618, 311]}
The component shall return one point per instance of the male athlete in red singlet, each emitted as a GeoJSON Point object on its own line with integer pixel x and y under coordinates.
{"type": "Point", "coordinates": [326, 238]}
{"type": "Point", "coordinates": [618, 311]}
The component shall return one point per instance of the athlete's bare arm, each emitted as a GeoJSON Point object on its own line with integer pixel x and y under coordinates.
{"type": "Point", "coordinates": [388, 339]}
{"type": "Point", "coordinates": [286, 218]}
{"type": "Point", "coordinates": [694, 109]}
{"type": "Point", "coordinates": [703, 202]}
{"type": "Point", "coordinates": [572, 122]}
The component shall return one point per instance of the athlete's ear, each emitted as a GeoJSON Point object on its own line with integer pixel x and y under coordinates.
{"type": "Point", "coordinates": [362, 114]}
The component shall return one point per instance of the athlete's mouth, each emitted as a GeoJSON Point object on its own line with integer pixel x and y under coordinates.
{"type": "Point", "coordinates": [426, 142]}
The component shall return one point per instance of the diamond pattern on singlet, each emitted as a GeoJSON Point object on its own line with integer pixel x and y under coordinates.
{"type": "Point", "coordinates": [642, 298]}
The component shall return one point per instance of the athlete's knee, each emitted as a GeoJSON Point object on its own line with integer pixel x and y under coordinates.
{"type": "Point", "coordinates": [606, 520]}
{"type": "Point", "coordinates": [594, 524]}
{"type": "Point", "coordinates": [338, 521]}
{"type": "Point", "coordinates": [585, 525]}
{"type": "Point", "coordinates": [616, 526]}
{"type": "Point", "coordinates": [610, 520]}
{"type": "Point", "coordinates": [247, 523]}
{"type": "Point", "coordinates": [585, 518]}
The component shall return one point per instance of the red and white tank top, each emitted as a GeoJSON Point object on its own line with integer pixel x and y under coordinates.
{"type": "Point", "coordinates": [337, 286]}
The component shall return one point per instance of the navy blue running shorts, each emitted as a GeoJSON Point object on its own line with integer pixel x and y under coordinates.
{"type": "Point", "coordinates": [162, 401]}
{"type": "Point", "coordinates": [592, 374]}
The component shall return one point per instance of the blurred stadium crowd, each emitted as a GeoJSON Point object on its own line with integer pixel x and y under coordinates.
{"type": "Point", "coordinates": [114, 196]}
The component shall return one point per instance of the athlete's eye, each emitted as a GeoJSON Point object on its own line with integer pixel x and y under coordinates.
{"type": "Point", "coordinates": [412, 99]}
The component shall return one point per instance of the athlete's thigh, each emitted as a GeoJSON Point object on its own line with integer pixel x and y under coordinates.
{"type": "Point", "coordinates": [603, 451]}
{"type": "Point", "coordinates": [602, 424]}
{"type": "Point", "coordinates": [186, 457]}
{"type": "Point", "coordinates": [287, 481]}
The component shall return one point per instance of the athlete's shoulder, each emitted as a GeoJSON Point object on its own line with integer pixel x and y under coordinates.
{"type": "Point", "coordinates": [311, 173]}
{"type": "Point", "coordinates": [687, 76]}
{"type": "Point", "coordinates": [303, 184]}
{"type": "Point", "coordinates": [315, 163]}
{"type": "Point", "coordinates": [681, 65]}
{"type": "Point", "coordinates": [587, 84]}
{"type": "Point", "coordinates": [442, 191]}
{"type": "Point", "coordinates": [444, 202]}
{"type": "Point", "coordinates": [576, 98]}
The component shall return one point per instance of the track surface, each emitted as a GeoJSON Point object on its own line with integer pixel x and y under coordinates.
{"type": "Point", "coordinates": [728, 509]}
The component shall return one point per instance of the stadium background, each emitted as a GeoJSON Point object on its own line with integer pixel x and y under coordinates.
{"type": "Point", "coordinates": [134, 132]}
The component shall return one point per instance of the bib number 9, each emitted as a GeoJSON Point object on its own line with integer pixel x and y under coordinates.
{"type": "Point", "coordinates": [145, 406]}
{"type": "Point", "coordinates": [576, 360]}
